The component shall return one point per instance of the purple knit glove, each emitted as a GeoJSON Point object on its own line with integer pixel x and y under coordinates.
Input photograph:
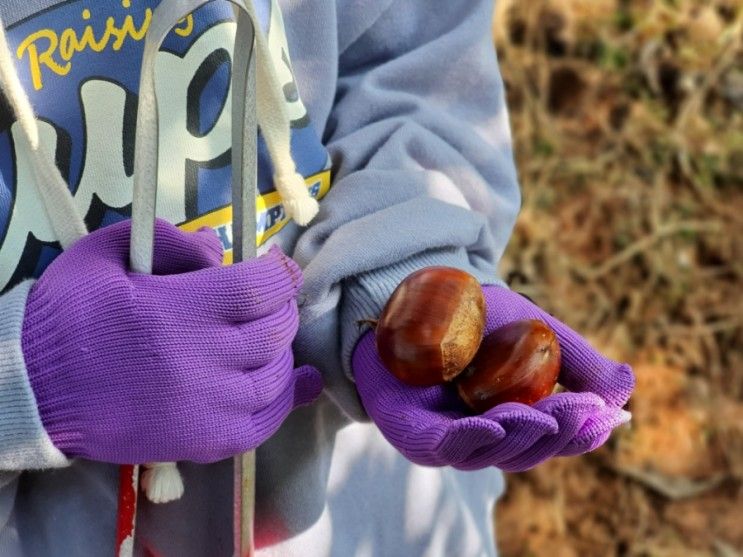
{"type": "Point", "coordinates": [193, 362]}
{"type": "Point", "coordinates": [432, 427]}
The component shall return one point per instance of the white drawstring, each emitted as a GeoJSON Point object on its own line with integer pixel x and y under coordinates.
{"type": "Point", "coordinates": [14, 92]}
{"type": "Point", "coordinates": [59, 204]}
{"type": "Point", "coordinates": [273, 120]}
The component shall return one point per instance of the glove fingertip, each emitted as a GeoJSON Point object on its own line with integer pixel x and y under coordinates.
{"type": "Point", "coordinates": [307, 386]}
{"type": "Point", "coordinates": [584, 445]}
{"type": "Point", "coordinates": [570, 402]}
{"type": "Point", "coordinates": [624, 384]}
{"type": "Point", "coordinates": [596, 432]}
{"type": "Point", "coordinates": [210, 238]}
{"type": "Point", "coordinates": [585, 370]}
{"type": "Point", "coordinates": [625, 417]}
{"type": "Point", "coordinates": [514, 416]}
{"type": "Point", "coordinates": [276, 263]}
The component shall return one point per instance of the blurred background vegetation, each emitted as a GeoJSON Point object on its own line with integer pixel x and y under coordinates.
{"type": "Point", "coordinates": [627, 118]}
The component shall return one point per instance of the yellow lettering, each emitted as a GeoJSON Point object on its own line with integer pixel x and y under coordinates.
{"type": "Point", "coordinates": [129, 29]}
{"type": "Point", "coordinates": [68, 43]}
{"type": "Point", "coordinates": [139, 35]}
{"type": "Point", "coordinates": [46, 58]}
{"type": "Point", "coordinates": [88, 39]}
{"type": "Point", "coordinates": [185, 31]}
{"type": "Point", "coordinates": [120, 34]}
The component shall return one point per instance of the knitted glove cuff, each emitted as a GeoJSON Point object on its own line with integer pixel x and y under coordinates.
{"type": "Point", "coordinates": [24, 443]}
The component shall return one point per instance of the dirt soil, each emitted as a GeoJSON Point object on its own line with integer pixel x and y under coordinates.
{"type": "Point", "coordinates": [627, 119]}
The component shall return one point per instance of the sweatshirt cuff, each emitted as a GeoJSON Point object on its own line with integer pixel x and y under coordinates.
{"type": "Point", "coordinates": [24, 443]}
{"type": "Point", "coordinates": [365, 295]}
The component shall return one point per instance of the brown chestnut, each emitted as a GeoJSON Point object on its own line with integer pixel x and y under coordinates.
{"type": "Point", "coordinates": [431, 326]}
{"type": "Point", "coordinates": [518, 362]}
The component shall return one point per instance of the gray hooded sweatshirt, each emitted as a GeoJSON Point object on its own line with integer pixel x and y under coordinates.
{"type": "Point", "coordinates": [398, 125]}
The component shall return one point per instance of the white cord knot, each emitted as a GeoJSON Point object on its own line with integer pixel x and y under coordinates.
{"type": "Point", "coordinates": [298, 203]}
{"type": "Point", "coordinates": [162, 482]}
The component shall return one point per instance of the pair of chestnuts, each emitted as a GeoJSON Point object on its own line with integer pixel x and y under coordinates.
{"type": "Point", "coordinates": [430, 332]}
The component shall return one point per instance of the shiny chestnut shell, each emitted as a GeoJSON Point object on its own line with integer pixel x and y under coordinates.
{"type": "Point", "coordinates": [518, 362]}
{"type": "Point", "coordinates": [431, 326]}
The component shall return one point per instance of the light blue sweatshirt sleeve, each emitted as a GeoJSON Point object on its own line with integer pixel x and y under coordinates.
{"type": "Point", "coordinates": [424, 173]}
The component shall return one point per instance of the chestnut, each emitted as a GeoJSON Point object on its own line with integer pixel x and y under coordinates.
{"type": "Point", "coordinates": [431, 326]}
{"type": "Point", "coordinates": [518, 362]}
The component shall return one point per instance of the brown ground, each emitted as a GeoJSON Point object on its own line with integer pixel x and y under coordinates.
{"type": "Point", "coordinates": [627, 118]}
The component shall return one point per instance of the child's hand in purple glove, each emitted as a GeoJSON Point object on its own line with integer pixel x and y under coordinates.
{"type": "Point", "coordinates": [430, 426]}
{"type": "Point", "coordinates": [193, 362]}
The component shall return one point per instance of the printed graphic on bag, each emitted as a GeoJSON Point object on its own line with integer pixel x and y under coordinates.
{"type": "Point", "coordinates": [79, 62]}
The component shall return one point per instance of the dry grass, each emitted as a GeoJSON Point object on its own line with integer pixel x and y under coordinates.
{"type": "Point", "coordinates": [628, 127]}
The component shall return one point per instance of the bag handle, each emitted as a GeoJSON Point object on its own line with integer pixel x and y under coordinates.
{"type": "Point", "coordinates": [244, 133]}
